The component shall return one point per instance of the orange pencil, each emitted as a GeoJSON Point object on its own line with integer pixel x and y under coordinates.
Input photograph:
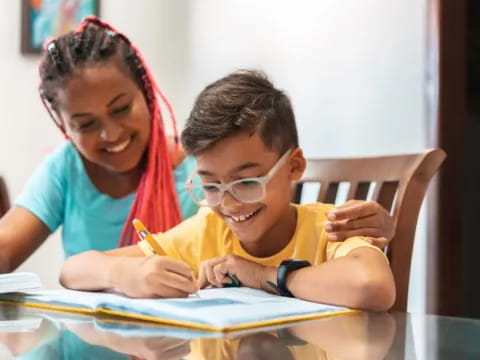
{"type": "Point", "coordinates": [144, 234]}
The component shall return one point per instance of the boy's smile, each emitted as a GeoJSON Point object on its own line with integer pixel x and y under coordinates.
{"type": "Point", "coordinates": [264, 227]}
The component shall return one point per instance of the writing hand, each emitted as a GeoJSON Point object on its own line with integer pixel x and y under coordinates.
{"type": "Point", "coordinates": [156, 276]}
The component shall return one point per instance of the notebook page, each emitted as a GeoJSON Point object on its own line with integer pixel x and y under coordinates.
{"type": "Point", "coordinates": [19, 281]}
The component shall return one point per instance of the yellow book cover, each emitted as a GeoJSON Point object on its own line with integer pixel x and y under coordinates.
{"type": "Point", "coordinates": [224, 310]}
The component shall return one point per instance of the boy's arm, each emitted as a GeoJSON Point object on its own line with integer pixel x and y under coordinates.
{"type": "Point", "coordinates": [362, 279]}
{"type": "Point", "coordinates": [128, 271]}
{"type": "Point", "coordinates": [363, 335]}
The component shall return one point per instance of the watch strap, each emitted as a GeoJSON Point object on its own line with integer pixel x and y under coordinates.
{"type": "Point", "coordinates": [284, 269]}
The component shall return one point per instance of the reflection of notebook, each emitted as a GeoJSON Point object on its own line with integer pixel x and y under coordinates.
{"type": "Point", "coordinates": [229, 309]}
{"type": "Point", "coordinates": [19, 281]}
{"type": "Point", "coordinates": [27, 323]}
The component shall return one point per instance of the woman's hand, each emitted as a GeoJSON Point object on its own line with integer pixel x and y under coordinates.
{"type": "Point", "coordinates": [360, 218]}
{"type": "Point", "coordinates": [154, 276]}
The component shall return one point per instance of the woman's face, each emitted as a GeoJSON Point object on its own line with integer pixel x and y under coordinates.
{"type": "Point", "coordinates": [106, 117]}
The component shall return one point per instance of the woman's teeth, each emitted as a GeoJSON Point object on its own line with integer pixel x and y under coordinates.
{"type": "Point", "coordinates": [120, 147]}
{"type": "Point", "coordinates": [243, 217]}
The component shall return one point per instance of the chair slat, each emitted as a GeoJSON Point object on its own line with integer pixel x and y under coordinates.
{"type": "Point", "coordinates": [352, 190]}
{"type": "Point", "coordinates": [4, 198]}
{"type": "Point", "coordinates": [361, 192]}
{"type": "Point", "coordinates": [331, 195]}
{"type": "Point", "coordinates": [297, 192]}
{"type": "Point", "coordinates": [385, 193]}
{"type": "Point", "coordinates": [322, 193]}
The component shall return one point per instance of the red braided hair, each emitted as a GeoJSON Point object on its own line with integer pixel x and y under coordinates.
{"type": "Point", "coordinates": [156, 202]}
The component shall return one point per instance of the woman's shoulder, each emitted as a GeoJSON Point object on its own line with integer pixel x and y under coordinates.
{"type": "Point", "coordinates": [185, 168]}
{"type": "Point", "coordinates": [63, 151]}
{"type": "Point", "coordinates": [65, 155]}
{"type": "Point", "coordinates": [62, 166]}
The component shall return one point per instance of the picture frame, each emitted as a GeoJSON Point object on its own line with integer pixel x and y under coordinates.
{"type": "Point", "coordinates": [45, 19]}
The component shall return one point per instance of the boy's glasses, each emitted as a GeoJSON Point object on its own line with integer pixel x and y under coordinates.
{"type": "Point", "coordinates": [249, 190]}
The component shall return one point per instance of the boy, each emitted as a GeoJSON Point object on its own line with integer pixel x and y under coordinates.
{"type": "Point", "coordinates": [243, 136]}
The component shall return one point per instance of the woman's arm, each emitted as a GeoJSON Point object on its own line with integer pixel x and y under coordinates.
{"type": "Point", "coordinates": [21, 233]}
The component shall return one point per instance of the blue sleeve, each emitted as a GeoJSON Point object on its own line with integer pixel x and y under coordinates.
{"type": "Point", "coordinates": [187, 206]}
{"type": "Point", "coordinates": [44, 193]}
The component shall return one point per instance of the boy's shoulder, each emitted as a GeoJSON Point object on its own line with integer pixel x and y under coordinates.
{"type": "Point", "coordinates": [316, 209]}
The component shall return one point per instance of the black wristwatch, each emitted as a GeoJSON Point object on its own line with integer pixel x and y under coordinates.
{"type": "Point", "coordinates": [285, 268]}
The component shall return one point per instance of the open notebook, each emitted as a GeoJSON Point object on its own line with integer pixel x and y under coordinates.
{"type": "Point", "coordinates": [227, 309]}
{"type": "Point", "coordinates": [19, 281]}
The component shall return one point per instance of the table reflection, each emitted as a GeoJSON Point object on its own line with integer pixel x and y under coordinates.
{"type": "Point", "coordinates": [64, 336]}
{"type": "Point", "coordinates": [354, 336]}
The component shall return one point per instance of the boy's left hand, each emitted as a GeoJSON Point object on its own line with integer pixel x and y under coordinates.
{"type": "Point", "coordinates": [213, 271]}
{"type": "Point", "coordinates": [360, 218]}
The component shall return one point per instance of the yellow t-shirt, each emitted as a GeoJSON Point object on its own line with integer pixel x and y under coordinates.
{"type": "Point", "coordinates": [227, 349]}
{"type": "Point", "coordinates": [206, 235]}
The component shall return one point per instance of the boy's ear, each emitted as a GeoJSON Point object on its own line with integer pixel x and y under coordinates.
{"type": "Point", "coordinates": [297, 164]}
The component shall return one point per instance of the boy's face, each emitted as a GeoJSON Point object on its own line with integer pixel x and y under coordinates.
{"type": "Point", "coordinates": [243, 156]}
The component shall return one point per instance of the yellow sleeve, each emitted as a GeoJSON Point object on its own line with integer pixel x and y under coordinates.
{"type": "Point", "coordinates": [184, 241]}
{"type": "Point", "coordinates": [342, 248]}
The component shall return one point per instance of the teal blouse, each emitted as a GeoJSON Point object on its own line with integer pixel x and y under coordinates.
{"type": "Point", "coordinates": [60, 193]}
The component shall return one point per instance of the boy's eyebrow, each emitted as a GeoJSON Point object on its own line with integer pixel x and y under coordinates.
{"type": "Point", "coordinates": [239, 168]}
{"type": "Point", "coordinates": [110, 103]}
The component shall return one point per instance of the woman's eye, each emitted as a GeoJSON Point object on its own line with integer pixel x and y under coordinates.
{"type": "Point", "coordinates": [86, 125]}
{"type": "Point", "coordinates": [121, 109]}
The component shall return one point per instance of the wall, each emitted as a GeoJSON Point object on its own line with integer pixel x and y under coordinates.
{"type": "Point", "coordinates": [355, 73]}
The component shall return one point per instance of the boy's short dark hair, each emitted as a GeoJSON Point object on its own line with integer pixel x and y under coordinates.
{"type": "Point", "coordinates": [244, 101]}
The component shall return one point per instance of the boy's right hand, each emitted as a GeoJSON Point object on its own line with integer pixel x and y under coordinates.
{"type": "Point", "coordinates": [154, 276]}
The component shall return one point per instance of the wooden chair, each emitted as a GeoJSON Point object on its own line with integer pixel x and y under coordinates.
{"type": "Point", "coordinates": [4, 198]}
{"type": "Point", "coordinates": [400, 183]}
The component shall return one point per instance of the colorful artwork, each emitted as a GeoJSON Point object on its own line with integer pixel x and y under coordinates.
{"type": "Point", "coordinates": [44, 19]}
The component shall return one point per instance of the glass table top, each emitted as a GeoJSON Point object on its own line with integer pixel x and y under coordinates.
{"type": "Point", "coordinates": [28, 333]}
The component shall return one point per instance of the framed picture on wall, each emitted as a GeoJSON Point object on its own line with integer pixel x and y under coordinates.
{"type": "Point", "coordinates": [44, 19]}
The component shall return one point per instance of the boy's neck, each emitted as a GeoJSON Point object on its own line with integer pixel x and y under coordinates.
{"type": "Point", "coordinates": [277, 237]}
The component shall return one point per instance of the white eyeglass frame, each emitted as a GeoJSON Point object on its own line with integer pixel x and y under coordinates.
{"type": "Point", "coordinates": [263, 180]}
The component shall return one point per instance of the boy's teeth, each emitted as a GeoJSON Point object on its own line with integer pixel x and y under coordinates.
{"type": "Point", "coordinates": [243, 217]}
{"type": "Point", "coordinates": [120, 147]}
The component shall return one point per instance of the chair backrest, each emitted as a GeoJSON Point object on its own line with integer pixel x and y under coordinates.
{"type": "Point", "coordinates": [399, 185]}
{"type": "Point", "coordinates": [4, 198]}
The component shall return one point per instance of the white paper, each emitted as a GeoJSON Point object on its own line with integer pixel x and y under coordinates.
{"type": "Point", "coordinates": [19, 281]}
